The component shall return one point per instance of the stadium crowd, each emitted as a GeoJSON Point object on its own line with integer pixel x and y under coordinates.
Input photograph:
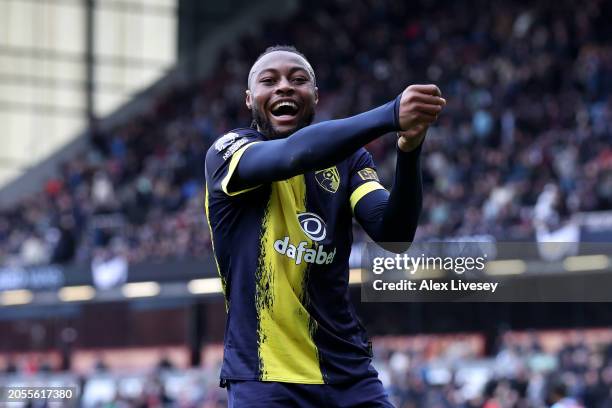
{"type": "Point", "coordinates": [574, 372]}
{"type": "Point", "coordinates": [521, 374]}
{"type": "Point", "coordinates": [523, 144]}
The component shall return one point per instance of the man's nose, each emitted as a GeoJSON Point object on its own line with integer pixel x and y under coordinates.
{"type": "Point", "coordinates": [284, 86]}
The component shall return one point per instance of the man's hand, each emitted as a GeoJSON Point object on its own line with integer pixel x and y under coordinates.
{"type": "Point", "coordinates": [408, 140]}
{"type": "Point", "coordinates": [419, 108]}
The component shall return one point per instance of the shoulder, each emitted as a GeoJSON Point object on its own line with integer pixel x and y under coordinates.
{"type": "Point", "coordinates": [361, 158]}
{"type": "Point", "coordinates": [235, 137]}
{"type": "Point", "coordinates": [223, 156]}
{"type": "Point", "coordinates": [360, 153]}
{"type": "Point", "coordinates": [227, 144]}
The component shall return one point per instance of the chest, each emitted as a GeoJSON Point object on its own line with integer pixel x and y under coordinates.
{"type": "Point", "coordinates": [314, 198]}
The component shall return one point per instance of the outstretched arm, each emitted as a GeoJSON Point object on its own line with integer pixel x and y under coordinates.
{"type": "Point", "coordinates": [324, 144]}
{"type": "Point", "coordinates": [313, 147]}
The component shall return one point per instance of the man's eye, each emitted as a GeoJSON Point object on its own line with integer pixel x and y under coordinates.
{"type": "Point", "coordinates": [266, 80]}
{"type": "Point", "coordinates": [300, 80]}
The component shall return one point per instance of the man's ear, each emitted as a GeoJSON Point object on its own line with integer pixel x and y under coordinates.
{"type": "Point", "coordinates": [248, 101]}
{"type": "Point", "coordinates": [316, 95]}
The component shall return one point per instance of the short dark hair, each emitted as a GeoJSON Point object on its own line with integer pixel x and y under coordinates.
{"type": "Point", "coordinates": [279, 47]}
{"type": "Point", "coordinates": [287, 48]}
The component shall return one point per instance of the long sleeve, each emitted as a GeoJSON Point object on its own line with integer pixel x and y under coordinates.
{"type": "Point", "coordinates": [313, 147]}
{"type": "Point", "coordinates": [393, 216]}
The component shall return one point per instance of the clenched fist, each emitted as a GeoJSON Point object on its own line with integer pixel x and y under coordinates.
{"type": "Point", "coordinates": [419, 108]}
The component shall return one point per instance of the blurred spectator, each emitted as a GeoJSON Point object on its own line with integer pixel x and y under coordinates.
{"type": "Point", "coordinates": [165, 363]}
{"type": "Point", "coordinates": [416, 372]}
{"type": "Point", "coordinates": [523, 145]}
{"type": "Point", "coordinates": [558, 397]}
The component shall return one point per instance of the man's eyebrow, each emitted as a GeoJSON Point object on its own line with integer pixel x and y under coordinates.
{"type": "Point", "coordinates": [275, 71]}
{"type": "Point", "coordinates": [292, 70]}
{"type": "Point", "coordinates": [272, 70]}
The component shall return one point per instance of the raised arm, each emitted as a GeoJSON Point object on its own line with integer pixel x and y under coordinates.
{"type": "Point", "coordinates": [392, 217]}
{"type": "Point", "coordinates": [323, 144]}
{"type": "Point", "coordinates": [314, 147]}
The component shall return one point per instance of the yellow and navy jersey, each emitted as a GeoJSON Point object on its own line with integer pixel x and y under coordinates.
{"type": "Point", "coordinates": [282, 251]}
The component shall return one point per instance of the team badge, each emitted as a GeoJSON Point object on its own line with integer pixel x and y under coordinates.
{"type": "Point", "coordinates": [225, 140]}
{"type": "Point", "coordinates": [368, 174]}
{"type": "Point", "coordinates": [328, 179]}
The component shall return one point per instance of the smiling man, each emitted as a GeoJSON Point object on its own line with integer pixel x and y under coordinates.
{"type": "Point", "coordinates": [280, 197]}
{"type": "Point", "coordinates": [277, 115]}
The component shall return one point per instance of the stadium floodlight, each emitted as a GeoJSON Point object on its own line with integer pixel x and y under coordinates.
{"type": "Point", "coordinates": [506, 267]}
{"type": "Point", "coordinates": [586, 263]}
{"type": "Point", "coordinates": [16, 297]}
{"type": "Point", "coordinates": [76, 293]}
{"type": "Point", "coordinates": [140, 289]}
{"type": "Point", "coordinates": [203, 286]}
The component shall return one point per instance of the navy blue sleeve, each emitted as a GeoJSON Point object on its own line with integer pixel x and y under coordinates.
{"type": "Point", "coordinates": [394, 216]}
{"type": "Point", "coordinates": [362, 172]}
{"type": "Point", "coordinates": [223, 157]}
{"type": "Point", "coordinates": [363, 178]}
{"type": "Point", "coordinates": [313, 147]}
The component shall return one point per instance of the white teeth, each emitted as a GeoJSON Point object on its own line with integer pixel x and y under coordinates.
{"type": "Point", "coordinates": [284, 103]}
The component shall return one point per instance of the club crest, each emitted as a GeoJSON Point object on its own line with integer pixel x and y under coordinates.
{"type": "Point", "coordinates": [328, 179]}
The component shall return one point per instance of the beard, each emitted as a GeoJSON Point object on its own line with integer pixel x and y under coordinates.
{"type": "Point", "coordinates": [262, 123]}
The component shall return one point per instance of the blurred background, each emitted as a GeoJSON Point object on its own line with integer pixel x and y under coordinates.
{"type": "Point", "coordinates": [106, 110]}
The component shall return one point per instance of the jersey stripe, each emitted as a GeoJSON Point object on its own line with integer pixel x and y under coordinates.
{"type": "Point", "coordinates": [362, 190]}
{"type": "Point", "coordinates": [287, 351]}
{"type": "Point", "coordinates": [230, 172]}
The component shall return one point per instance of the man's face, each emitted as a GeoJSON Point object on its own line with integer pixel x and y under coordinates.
{"type": "Point", "coordinates": [282, 95]}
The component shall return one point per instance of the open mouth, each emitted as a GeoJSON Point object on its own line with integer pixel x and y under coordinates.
{"type": "Point", "coordinates": [284, 109]}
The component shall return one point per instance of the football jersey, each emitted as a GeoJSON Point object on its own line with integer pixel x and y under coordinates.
{"type": "Point", "coordinates": [282, 252]}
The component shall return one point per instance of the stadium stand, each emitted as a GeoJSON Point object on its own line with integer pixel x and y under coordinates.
{"type": "Point", "coordinates": [417, 371]}
{"type": "Point", "coordinates": [528, 117]}
{"type": "Point", "coordinates": [522, 149]}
